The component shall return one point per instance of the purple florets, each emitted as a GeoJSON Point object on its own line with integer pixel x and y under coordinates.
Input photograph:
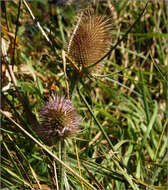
{"type": "Point", "coordinates": [59, 118]}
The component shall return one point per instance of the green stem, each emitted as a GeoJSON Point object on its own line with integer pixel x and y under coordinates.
{"type": "Point", "coordinates": [61, 169]}
{"type": "Point", "coordinates": [74, 80]}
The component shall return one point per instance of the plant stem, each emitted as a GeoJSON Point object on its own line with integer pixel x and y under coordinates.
{"type": "Point", "coordinates": [61, 169]}
{"type": "Point", "coordinates": [74, 80]}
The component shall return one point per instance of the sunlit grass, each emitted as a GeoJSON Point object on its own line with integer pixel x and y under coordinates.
{"type": "Point", "coordinates": [122, 140]}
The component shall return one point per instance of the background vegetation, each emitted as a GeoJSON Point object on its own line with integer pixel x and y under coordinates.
{"type": "Point", "coordinates": [122, 143]}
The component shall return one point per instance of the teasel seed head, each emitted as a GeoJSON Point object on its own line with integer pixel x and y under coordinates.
{"type": "Point", "coordinates": [90, 41]}
{"type": "Point", "coordinates": [59, 119]}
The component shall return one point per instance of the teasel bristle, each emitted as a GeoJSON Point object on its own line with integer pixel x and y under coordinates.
{"type": "Point", "coordinates": [58, 119]}
{"type": "Point", "coordinates": [90, 41]}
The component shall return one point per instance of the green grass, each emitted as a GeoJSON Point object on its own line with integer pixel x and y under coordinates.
{"type": "Point", "coordinates": [122, 143]}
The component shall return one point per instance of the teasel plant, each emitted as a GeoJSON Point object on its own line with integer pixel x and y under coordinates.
{"type": "Point", "coordinates": [89, 41]}
{"type": "Point", "coordinates": [58, 121]}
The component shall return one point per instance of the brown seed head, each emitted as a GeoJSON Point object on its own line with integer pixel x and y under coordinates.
{"type": "Point", "coordinates": [90, 42]}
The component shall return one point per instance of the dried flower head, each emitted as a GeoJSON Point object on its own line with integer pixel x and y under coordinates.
{"type": "Point", "coordinates": [59, 119]}
{"type": "Point", "coordinates": [90, 41]}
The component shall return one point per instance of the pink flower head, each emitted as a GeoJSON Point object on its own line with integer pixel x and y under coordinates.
{"type": "Point", "coordinates": [59, 118]}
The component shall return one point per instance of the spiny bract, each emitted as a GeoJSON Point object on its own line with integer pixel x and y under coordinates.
{"type": "Point", "coordinates": [58, 118]}
{"type": "Point", "coordinates": [90, 42]}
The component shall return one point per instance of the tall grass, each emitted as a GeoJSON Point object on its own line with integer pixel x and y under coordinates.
{"type": "Point", "coordinates": [122, 141]}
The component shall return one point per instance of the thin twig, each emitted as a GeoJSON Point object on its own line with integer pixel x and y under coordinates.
{"type": "Point", "coordinates": [55, 175]}
{"type": "Point", "coordinates": [35, 177]}
{"type": "Point", "coordinates": [65, 74]}
{"type": "Point", "coordinates": [78, 161]}
{"type": "Point", "coordinates": [92, 141]}
{"type": "Point", "coordinates": [5, 58]}
{"type": "Point", "coordinates": [74, 31]}
{"type": "Point", "coordinates": [37, 23]}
